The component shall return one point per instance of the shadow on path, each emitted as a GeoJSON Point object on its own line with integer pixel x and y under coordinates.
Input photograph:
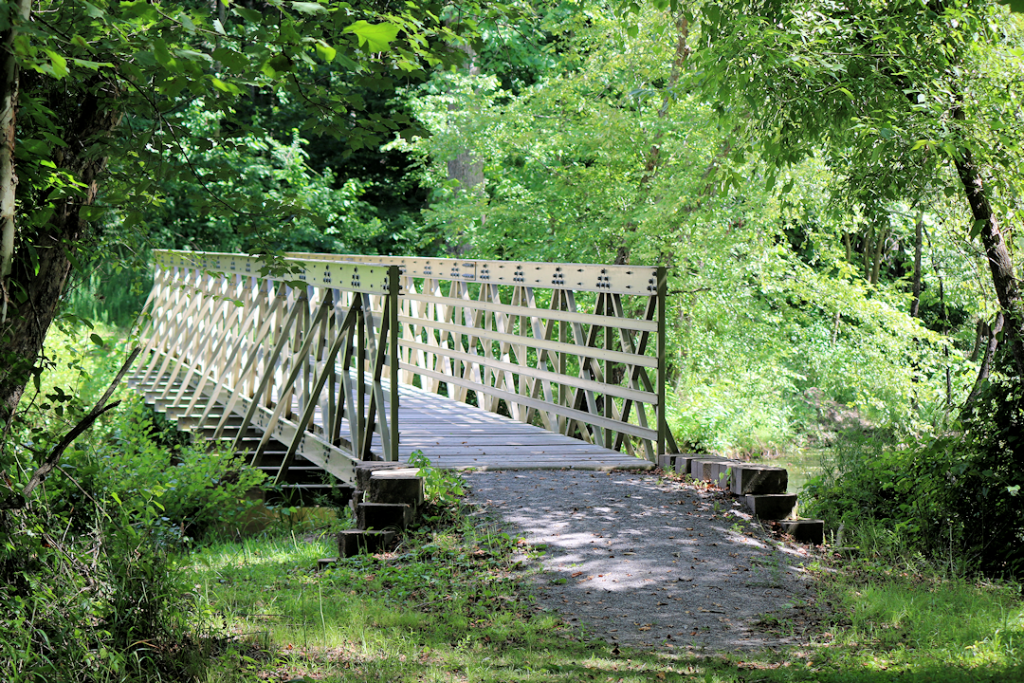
{"type": "Point", "coordinates": [647, 562]}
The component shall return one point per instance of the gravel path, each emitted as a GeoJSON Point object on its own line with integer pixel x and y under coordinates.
{"type": "Point", "coordinates": [638, 560]}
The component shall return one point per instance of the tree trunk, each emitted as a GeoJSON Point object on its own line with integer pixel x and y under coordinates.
{"type": "Point", "coordinates": [18, 13]}
{"type": "Point", "coordinates": [999, 262]}
{"type": "Point", "coordinates": [981, 331]}
{"type": "Point", "coordinates": [990, 351]}
{"type": "Point", "coordinates": [42, 260]}
{"type": "Point", "coordinates": [465, 167]}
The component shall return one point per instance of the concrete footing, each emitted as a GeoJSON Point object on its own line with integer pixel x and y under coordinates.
{"type": "Point", "coordinates": [396, 493]}
{"type": "Point", "coordinates": [771, 505]}
{"type": "Point", "coordinates": [355, 541]}
{"type": "Point", "coordinates": [805, 530]}
{"type": "Point", "coordinates": [749, 478]}
{"type": "Point", "coordinates": [762, 488]}
{"type": "Point", "coordinates": [383, 516]}
{"type": "Point", "coordinates": [394, 488]}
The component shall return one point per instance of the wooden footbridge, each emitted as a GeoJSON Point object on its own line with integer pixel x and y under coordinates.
{"type": "Point", "coordinates": [310, 363]}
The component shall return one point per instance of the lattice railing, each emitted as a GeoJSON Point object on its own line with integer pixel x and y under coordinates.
{"type": "Point", "coordinates": [577, 349]}
{"type": "Point", "coordinates": [277, 343]}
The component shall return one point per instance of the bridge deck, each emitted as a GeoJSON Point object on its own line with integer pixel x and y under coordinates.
{"type": "Point", "coordinates": [454, 435]}
{"type": "Point", "coordinates": [451, 434]}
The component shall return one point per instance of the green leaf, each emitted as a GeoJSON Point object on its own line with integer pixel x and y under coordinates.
{"type": "Point", "coordinates": [96, 339]}
{"type": "Point", "coordinates": [230, 58]}
{"type": "Point", "coordinates": [225, 87]}
{"type": "Point", "coordinates": [377, 37]}
{"type": "Point", "coordinates": [976, 228]}
{"type": "Point", "coordinates": [326, 52]}
{"type": "Point", "coordinates": [162, 54]}
{"type": "Point", "coordinates": [249, 14]}
{"type": "Point", "coordinates": [35, 147]}
{"type": "Point", "coordinates": [281, 63]}
{"type": "Point", "coordinates": [91, 212]}
{"type": "Point", "coordinates": [1014, 5]}
{"type": "Point", "coordinates": [94, 11]}
{"type": "Point", "coordinates": [59, 64]}
{"type": "Point", "coordinates": [88, 64]}
{"type": "Point", "coordinates": [309, 8]}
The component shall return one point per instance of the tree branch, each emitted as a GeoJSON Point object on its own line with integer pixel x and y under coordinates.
{"type": "Point", "coordinates": [19, 500]}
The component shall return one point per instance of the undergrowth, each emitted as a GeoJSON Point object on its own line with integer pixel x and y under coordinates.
{"type": "Point", "coordinates": [453, 603]}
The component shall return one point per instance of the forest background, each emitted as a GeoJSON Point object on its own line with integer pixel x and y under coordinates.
{"type": "Point", "coordinates": [836, 189]}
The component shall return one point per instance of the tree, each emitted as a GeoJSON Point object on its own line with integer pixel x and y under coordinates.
{"type": "Point", "coordinates": [82, 83]}
{"type": "Point", "coordinates": [610, 153]}
{"type": "Point", "coordinates": [917, 97]}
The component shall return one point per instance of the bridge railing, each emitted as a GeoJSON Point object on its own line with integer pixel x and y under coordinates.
{"type": "Point", "coordinates": [276, 343]}
{"type": "Point", "coordinates": [579, 349]}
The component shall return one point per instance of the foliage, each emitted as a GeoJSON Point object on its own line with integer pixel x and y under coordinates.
{"type": "Point", "coordinates": [107, 605]}
{"type": "Point", "coordinates": [89, 572]}
{"type": "Point", "coordinates": [110, 293]}
{"type": "Point", "coordinates": [954, 499]}
{"type": "Point", "coordinates": [196, 486]}
{"type": "Point", "coordinates": [441, 487]}
{"type": "Point", "coordinates": [600, 158]}
{"type": "Point", "coordinates": [304, 210]}
{"type": "Point", "coordinates": [978, 492]}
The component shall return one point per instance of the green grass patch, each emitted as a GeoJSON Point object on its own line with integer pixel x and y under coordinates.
{"type": "Point", "coordinates": [453, 603]}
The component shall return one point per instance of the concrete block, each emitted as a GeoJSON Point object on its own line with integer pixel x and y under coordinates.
{"type": "Point", "coordinates": [805, 530]}
{"type": "Point", "coordinates": [355, 499]}
{"type": "Point", "coordinates": [355, 541]}
{"type": "Point", "coordinates": [365, 471]}
{"type": "Point", "coordinates": [750, 478]}
{"type": "Point", "coordinates": [380, 516]}
{"type": "Point", "coordinates": [771, 505]}
{"type": "Point", "coordinates": [397, 473]}
{"type": "Point", "coordinates": [722, 472]}
{"type": "Point", "coordinates": [396, 489]}
{"type": "Point", "coordinates": [666, 461]}
{"type": "Point", "coordinates": [700, 468]}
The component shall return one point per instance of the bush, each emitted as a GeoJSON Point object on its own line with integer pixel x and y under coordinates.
{"type": "Point", "coordinates": [978, 480]}
{"type": "Point", "coordinates": [864, 476]}
{"type": "Point", "coordinates": [108, 605]}
{"type": "Point", "coordinates": [956, 498]}
{"type": "Point", "coordinates": [141, 458]}
{"type": "Point", "coordinates": [90, 590]}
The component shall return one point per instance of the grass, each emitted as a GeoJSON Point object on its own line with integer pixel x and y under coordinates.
{"type": "Point", "coordinates": [453, 603]}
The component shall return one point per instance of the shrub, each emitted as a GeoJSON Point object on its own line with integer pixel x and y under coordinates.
{"type": "Point", "coordinates": [142, 460]}
{"type": "Point", "coordinates": [955, 498]}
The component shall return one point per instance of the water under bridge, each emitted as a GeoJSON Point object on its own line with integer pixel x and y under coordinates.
{"type": "Point", "coordinates": [310, 363]}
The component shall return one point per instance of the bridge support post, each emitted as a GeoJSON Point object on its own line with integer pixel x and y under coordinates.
{"type": "Point", "coordinates": [662, 360]}
{"type": "Point", "coordinates": [394, 287]}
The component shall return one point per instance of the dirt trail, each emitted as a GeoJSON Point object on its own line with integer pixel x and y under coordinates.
{"type": "Point", "coordinates": [648, 562]}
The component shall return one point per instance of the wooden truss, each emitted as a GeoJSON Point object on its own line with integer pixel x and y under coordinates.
{"type": "Point", "coordinates": [577, 349]}
{"type": "Point", "coordinates": [294, 347]}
